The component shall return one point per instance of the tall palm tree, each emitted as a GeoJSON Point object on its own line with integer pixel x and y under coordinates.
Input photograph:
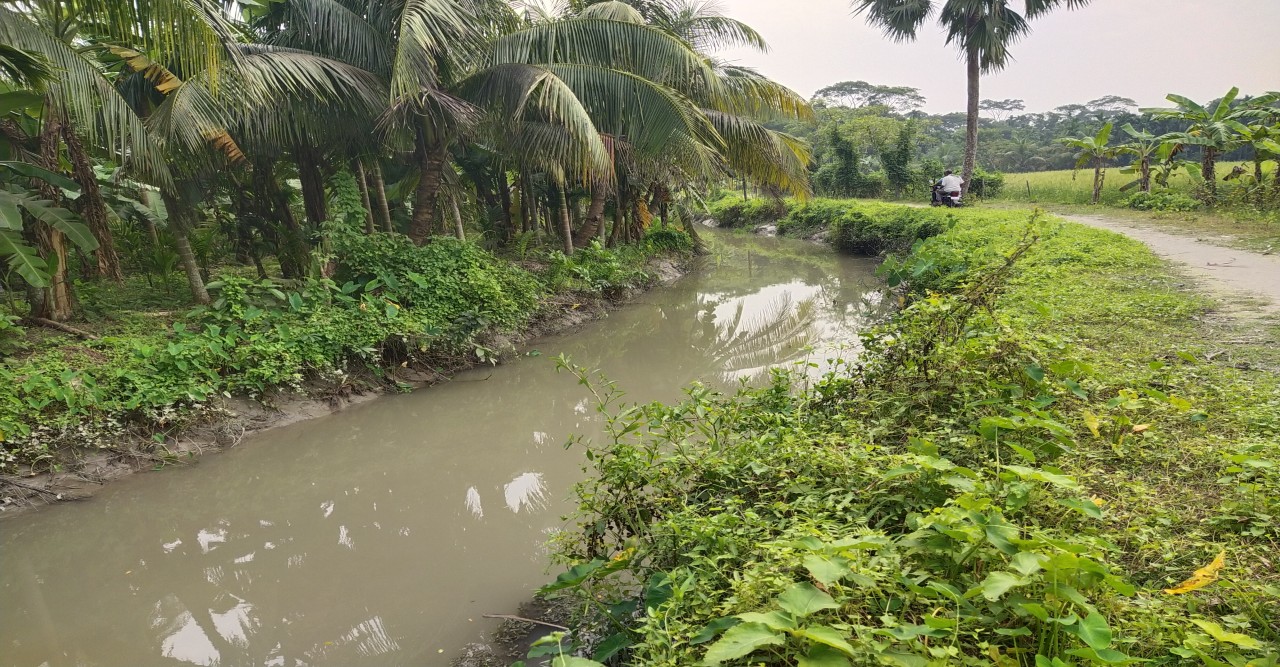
{"type": "Point", "coordinates": [983, 30]}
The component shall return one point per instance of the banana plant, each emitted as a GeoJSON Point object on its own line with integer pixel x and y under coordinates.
{"type": "Point", "coordinates": [1145, 147]}
{"type": "Point", "coordinates": [18, 205]}
{"type": "Point", "coordinates": [1215, 132]}
{"type": "Point", "coordinates": [1094, 150]}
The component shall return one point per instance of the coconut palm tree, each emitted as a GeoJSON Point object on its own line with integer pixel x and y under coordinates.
{"type": "Point", "coordinates": [983, 30]}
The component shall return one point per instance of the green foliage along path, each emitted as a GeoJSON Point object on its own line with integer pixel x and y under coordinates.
{"type": "Point", "coordinates": [1048, 458]}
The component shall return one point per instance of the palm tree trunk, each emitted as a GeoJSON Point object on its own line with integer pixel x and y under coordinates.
{"type": "Point", "coordinates": [458, 230]}
{"type": "Point", "coordinates": [363, 182]}
{"type": "Point", "coordinates": [1097, 181]}
{"type": "Point", "coordinates": [974, 73]}
{"type": "Point", "coordinates": [619, 220]}
{"type": "Point", "coordinates": [91, 207]}
{"type": "Point", "coordinates": [431, 162]}
{"type": "Point", "coordinates": [180, 226]}
{"type": "Point", "coordinates": [595, 214]}
{"type": "Point", "coordinates": [566, 223]}
{"type": "Point", "coordinates": [1145, 169]}
{"type": "Point", "coordinates": [379, 192]}
{"type": "Point", "coordinates": [291, 246]}
{"type": "Point", "coordinates": [313, 198]}
{"type": "Point", "coordinates": [55, 302]}
{"type": "Point", "coordinates": [504, 198]}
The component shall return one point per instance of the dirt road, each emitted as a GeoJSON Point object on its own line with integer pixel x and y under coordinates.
{"type": "Point", "coordinates": [1221, 269]}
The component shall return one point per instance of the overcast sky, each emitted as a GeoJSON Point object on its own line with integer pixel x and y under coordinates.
{"type": "Point", "coordinates": [1142, 49]}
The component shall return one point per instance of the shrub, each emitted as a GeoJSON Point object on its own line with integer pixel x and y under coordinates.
{"type": "Point", "coordinates": [733, 212]}
{"type": "Point", "coordinates": [595, 268]}
{"type": "Point", "coordinates": [444, 277]}
{"type": "Point", "coordinates": [669, 240]}
{"type": "Point", "coordinates": [866, 228]}
{"type": "Point", "coordinates": [986, 184]}
{"type": "Point", "coordinates": [1161, 201]}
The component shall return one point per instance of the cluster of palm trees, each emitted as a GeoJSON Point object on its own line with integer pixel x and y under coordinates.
{"type": "Point", "coordinates": [540, 119]}
{"type": "Point", "coordinates": [1212, 129]}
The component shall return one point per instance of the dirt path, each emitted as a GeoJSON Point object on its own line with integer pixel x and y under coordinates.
{"type": "Point", "coordinates": [1221, 269]}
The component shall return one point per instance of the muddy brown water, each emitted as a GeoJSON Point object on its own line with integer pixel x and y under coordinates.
{"type": "Point", "coordinates": [380, 535]}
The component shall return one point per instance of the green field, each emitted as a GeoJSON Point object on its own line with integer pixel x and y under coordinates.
{"type": "Point", "coordinates": [1076, 187]}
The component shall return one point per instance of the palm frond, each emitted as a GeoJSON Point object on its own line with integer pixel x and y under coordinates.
{"type": "Point", "coordinates": [899, 19]}
{"type": "Point", "coordinates": [88, 98]}
{"type": "Point", "coordinates": [764, 155]}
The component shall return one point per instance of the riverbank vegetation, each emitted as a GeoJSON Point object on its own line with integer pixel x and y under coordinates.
{"type": "Point", "coordinates": [1053, 455]}
{"type": "Point", "coordinates": [200, 202]}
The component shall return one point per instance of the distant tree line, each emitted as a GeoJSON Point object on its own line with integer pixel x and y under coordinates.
{"type": "Point", "coordinates": [874, 140]}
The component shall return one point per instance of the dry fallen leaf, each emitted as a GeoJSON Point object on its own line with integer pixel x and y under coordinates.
{"type": "Point", "coordinates": [1202, 577]}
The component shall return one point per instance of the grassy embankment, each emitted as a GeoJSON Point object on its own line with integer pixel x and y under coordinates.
{"type": "Point", "coordinates": [1050, 457]}
{"type": "Point", "coordinates": [155, 366]}
{"type": "Point", "coordinates": [1241, 218]}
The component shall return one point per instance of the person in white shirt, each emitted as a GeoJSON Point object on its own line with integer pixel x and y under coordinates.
{"type": "Point", "coordinates": [950, 184]}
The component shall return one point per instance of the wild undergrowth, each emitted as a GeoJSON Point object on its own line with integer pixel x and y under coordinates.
{"type": "Point", "coordinates": [854, 226]}
{"type": "Point", "coordinates": [1046, 459]}
{"type": "Point", "coordinates": [386, 304]}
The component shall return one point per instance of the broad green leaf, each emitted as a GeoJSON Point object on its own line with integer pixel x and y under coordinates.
{"type": "Point", "coordinates": [1223, 636]}
{"type": "Point", "coordinates": [19, 99]}
{"type": "Point", "coordinates": [827, 570]}
{"type": "Point", "coordinates": [1086, 507]}
{"type": "Point", "coordinates": [714, 628]}
{"type": "Point", "coordinates": [10, 214]}
{"type": "Point", "coordinates": [32, 171]}
{"type": "Point", "coordinates": [804, 599]}
{"type": "Point", "coordinates": [611, 646]}
{"type": "Point", "coordinates": [1106, 655]}
{"type": "Point", "coordinates": [904, 659]}
{"type": "Point", "coordinates": [827, 636]}
{"type": "Point", "coordinates": [1027, 562]}
{"type": "Point", "coordinates": [741, 640]}
{"type": "Point", "coordinates": [998, 583]}
{"type": "Point", "coordinates": [574, 576]}
{"type": "Point", "coordinates": [1035, 609]}
{"type": "Point", "coordinates": [573, 661]}
{"type": "Point", "coordinates": [822, 656]}
{"type": "Point", "coordinates": [1094, 631]}
{"type": "Point", "coordinates": [776, 620]}
{"type": "Point", "coordinates": [22, 258]}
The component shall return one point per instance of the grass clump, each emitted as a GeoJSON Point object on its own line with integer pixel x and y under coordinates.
{"type": "Point", "coordinates": [854, 226]}
{"type": "Point", "coordinates": [1040, 461]}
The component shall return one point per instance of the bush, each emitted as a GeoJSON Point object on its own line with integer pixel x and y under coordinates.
{"type": "Point", "coordinates": [444, 278]}
{"type": "Point", "coordinates": [669, 240]}
{"type": "Point", "coordinates": [1161, 201]}
{"type": "Point", "coordinates": [734, 212]}
{"type": "Point", "coordinates": [595, 268]}
{"type": "Point", "coordinates": [872, 231]}
{"type": "Point", "coordinates": [865, 228]}
{"type": "Point", "coordinates": [986, 184]}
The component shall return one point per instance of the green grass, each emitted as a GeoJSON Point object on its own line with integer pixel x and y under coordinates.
{"type": "Point", "coordinates": [1021, 464]}
{"type": "Point", "coordinates": [1076, 187]}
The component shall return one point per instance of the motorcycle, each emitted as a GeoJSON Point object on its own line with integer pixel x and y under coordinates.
{"type": "Point", "coordinates": [948, 199]}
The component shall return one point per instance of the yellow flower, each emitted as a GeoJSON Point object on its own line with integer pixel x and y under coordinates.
{"type": "Point", "coordinates": [1202, 577]}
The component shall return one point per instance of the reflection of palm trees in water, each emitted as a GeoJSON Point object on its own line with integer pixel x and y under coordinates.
{"type": "Point", "coordinates": [746, 346]}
